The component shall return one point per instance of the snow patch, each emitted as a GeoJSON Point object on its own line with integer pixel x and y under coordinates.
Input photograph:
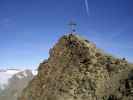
{"type": "Point", "coordinates": [25, 74]}
{"type": "Point", "coordinates": [20, 76]}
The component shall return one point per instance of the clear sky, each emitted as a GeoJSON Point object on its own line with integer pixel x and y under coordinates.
{"type": "Point", "coordinates": [29, 28]}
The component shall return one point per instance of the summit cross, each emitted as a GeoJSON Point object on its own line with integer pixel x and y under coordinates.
{"type": "Point", "coordinates": [72, 26]}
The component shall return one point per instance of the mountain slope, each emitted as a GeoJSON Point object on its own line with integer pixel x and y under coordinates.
{"type": "Point", "coordinates": [5, 75]}
{"type": "Point", "coordinates": [14, 82]}
{"type": "Point", "coordinates": [77, 70]}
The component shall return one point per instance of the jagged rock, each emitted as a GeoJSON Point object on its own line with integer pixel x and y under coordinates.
{"type": "Point", "coordinates": [77, 70]}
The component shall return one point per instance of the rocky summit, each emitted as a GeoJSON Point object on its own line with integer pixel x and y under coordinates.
{"type": "Point", "coordinates": [77, 70]}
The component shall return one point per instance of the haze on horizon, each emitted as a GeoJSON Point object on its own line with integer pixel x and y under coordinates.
{"type": "Point", "coordinates": [29, 28]}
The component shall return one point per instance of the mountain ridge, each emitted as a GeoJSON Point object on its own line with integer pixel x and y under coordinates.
{"type": "Point", "coordinates": [77, 70]}
{"type": "Point", "coordinates": [13, 81]}
{"type": "Point", "coordinates": [6, 74]}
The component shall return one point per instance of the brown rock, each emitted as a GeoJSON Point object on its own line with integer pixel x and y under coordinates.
{"type": "Point", "coordinates": [75, 70]}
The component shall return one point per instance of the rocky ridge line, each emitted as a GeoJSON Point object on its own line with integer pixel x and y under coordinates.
{"type": "Point", "coordinates": [77, 70]}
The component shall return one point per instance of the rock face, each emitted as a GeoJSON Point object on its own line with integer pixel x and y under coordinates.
{"type": "Point", "coordinates": [77, 70]}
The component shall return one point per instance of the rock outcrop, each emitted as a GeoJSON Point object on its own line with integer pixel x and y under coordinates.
{"type": "Point", "coordinates": [77, 70]}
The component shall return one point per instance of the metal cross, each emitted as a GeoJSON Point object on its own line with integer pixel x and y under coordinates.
{"type": "Point", "coordinates": [72, 26]}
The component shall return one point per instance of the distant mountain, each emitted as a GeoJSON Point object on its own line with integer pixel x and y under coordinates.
{"type": "Point", "coordinates": [13, 81]}
{"type": "Point", "coordinates": [6, 74]}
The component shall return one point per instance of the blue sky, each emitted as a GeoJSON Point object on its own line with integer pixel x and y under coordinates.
{"type": "Point", "coordinates": [29, 28]}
